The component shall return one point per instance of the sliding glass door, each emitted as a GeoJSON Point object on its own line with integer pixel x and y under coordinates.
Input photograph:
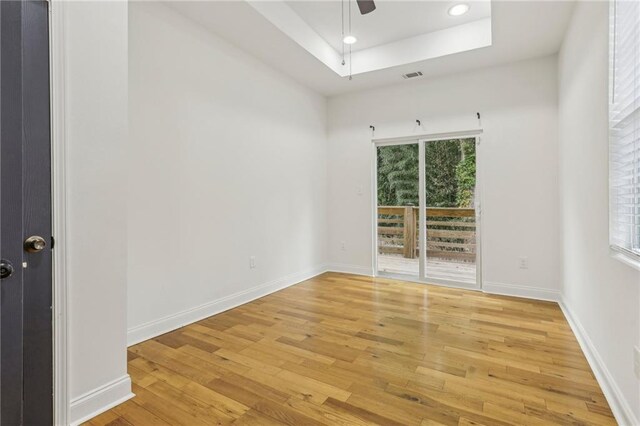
{"type": "Point", "coordinates": [398, 200]}
{"type": "Point", "coordinates": [426, 213]}
{"type": "Point", "coordinates": [450, 195]}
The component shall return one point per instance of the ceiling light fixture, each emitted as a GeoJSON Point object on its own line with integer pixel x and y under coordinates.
{"type": "Point", "coordinates": [459, 9]}
{"type": "Point", "coordinates": [349, 39]}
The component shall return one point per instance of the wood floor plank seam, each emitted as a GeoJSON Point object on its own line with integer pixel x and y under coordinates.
{"type": "Point", "coordinates": [341, 349]}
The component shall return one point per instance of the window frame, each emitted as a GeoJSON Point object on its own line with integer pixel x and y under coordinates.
{"type": "Point", "coordinates": [628, 255]}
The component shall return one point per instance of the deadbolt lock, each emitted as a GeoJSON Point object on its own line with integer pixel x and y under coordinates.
{"type": "Point", "coordinates": [34, 244]}
{"type": "Point", "coordinates": [6, 269]}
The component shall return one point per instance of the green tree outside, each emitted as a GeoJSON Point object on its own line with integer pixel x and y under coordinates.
{"type": "Point", "coordinates": [450, 174]}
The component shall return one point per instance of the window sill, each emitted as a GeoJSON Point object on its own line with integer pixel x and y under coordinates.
{"type": "Point", "coordinates": [626, 259]}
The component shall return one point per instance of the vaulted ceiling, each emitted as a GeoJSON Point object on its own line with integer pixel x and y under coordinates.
{"type": "Point", "coordinates": [303, 38]}
{"type": "Point", "coordinates": [392, 21]}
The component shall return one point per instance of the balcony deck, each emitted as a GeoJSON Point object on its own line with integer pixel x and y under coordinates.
{"type": "Point", "coordinates": [464, 272]}
{"type": "Point", "coordinates": [450, 242]}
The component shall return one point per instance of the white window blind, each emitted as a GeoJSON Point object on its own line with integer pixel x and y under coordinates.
{"type": "Point", "coordinates": [624, 127]}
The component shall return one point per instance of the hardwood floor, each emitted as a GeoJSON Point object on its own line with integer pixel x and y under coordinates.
{"type": "Point", "coordinates": [350, 350]}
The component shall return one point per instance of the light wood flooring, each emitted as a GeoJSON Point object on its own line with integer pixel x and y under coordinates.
{"type": "Point", "coordinates": [350, 350]}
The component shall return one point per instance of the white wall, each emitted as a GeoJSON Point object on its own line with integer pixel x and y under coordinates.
{"type": "Point", "coordinates": [202, 113]}
{"type": "Point", "coordinates": [227, 160]}
{"type": "Point", "coordinates": [601, 293]}
{"type": "Point", "coordinates": [518, 158]}
{"type": "Point", "coordinates": [95, 93]}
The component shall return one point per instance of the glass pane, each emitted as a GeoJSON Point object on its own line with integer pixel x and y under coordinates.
{"type": "Point", "coordinates": [398, 189]}
{"type": "Point", "coordinates": [450, 189]}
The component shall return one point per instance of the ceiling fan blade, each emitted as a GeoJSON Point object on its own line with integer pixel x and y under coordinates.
{"type": "Point", "coordinates": [366, 6]}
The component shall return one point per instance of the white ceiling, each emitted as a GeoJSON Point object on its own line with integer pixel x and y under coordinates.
{"type": "Point", "coordinates": [391, 21]}
{"type": "Point", "coordinates": [520, 30]}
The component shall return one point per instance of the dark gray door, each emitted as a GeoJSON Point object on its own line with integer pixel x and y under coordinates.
{"type": "Point", "coordinates": [26, 368]}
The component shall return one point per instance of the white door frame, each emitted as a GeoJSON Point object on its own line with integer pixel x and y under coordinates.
{"type": "Point", "coordinates": [421, 140]}
{"type": "Point", "coordinates": [58, 208]}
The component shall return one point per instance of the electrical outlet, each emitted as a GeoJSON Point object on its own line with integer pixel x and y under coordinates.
{"type": "Point", "coordinates": [252, 262]}
{"type": "Point", "coordinates": [343, 246]}
{"type": "Point", "coordinates": [636, 361]}
{"type": "Point", "coordinates": [523, 262]}
{"type": "Point", "coordinates": [359, 190]}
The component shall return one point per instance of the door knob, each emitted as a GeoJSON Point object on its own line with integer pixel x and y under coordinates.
{"type": "Point", "coordinates": [34, 244]}
{"type": "Point", "coordinates": [6, 269]}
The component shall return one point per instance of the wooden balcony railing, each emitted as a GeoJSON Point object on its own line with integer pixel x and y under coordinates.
{"type": "Point", "coordinates": [451, 232]}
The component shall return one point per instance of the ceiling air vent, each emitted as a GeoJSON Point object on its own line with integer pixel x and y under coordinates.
{"type": "Point", "coordinates": [412, 75]}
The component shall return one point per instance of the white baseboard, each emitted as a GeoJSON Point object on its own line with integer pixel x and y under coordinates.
{"type": "Point", "coordinates": [521, 291]}
{"type": "Point", "coordinates": [619, 406]}
{"type": "Point", "coordinates": [350, 269]}
{"type": "Point", "coordinates": [100, 400]}
{"type": "Point", "coordinates": [164, 325]}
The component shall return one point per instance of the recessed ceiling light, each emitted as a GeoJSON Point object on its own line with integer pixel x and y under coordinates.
{"type": "Point", "coordinates": [349, 39]}
{"type": "Point", "coordinates": [459, 9]}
